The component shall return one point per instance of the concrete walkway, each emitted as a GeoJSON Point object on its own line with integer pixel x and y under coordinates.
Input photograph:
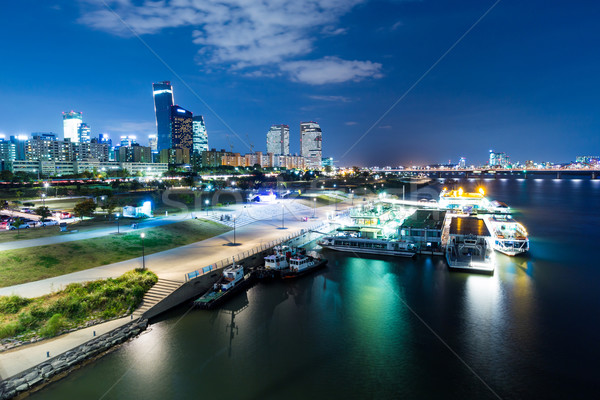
{"type": "Point", "coordinates": [21, 358]}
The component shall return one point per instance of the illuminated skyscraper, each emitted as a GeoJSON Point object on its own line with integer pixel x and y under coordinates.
{"type": "Point", "coordinates": [200, 139]}
{"type": "Point", "coordinates": [163, 101]}
{"type": "Point", "coordinates": [128, 141]}
{"type": "Point", "coordinates": [71, 122]}
{"type": "Point", "coordinates": [181, 129]}
{"type": "Point", "coordinates": [153, 143]}
{"type": "Point", "coordinates": [462, 163]}
{"type": "Point", "coordinates": [278, 140]}
{"type": "Point", "coordinates": [84, 133]}
{"type": "Point", "coordinates": [311, 140]}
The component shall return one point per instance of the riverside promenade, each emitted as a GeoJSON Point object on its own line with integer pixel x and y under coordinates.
{"type": "Point", "coordinates": [171, 264]}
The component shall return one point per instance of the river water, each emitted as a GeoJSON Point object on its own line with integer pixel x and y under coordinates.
{"type": "Point", "coordinates": [390, 328]}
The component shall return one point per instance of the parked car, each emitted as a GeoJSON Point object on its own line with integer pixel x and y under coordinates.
{"type": "Point", "coordinates": [49, 222]}
{"type": "Point", "coordinates": [11, 227]}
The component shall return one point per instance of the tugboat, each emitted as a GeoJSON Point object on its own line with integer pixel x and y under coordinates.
{"type": "Point", "coordinates": [303, 264]}
{"type": "Point", "coordinates": [232, 281]}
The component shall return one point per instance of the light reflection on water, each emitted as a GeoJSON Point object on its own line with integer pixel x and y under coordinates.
{"type": "Point", "coordinates": [349, 331]}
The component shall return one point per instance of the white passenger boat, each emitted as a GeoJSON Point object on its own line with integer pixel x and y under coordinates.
{"type": "Point", "coordinates": [508, 236]}
{"type": "Point", "coordinates": [231, 281]}
{"type": "Point", "coordinates": [468, 247]}
{"type": "Point", "coordinates": [369, 246]}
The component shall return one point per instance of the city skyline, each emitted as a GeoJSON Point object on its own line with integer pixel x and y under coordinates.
{"type": "Point", "coordinates": [521, 90]}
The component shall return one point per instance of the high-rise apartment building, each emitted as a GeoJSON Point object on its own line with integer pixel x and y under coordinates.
{"type": "Point", "coordinates": [181, 129]}
{"type": "Point", "coordinates": [84, 133]}
{"type": "Point", "coordinates": [71, 122]}
{"type": "Point", "coordinates": [20, 143]}
{"type": "Point", "coordinates": [135, 153]}
{"type": "Point", "coordinates": [497, 159]}
{"type": "Point", "coordinates": [200, 137]}
{"type": "Point", "coordinates": [8, 151]}
{"type": "Point", "coordinates": [311, 144]}
{"type": "Point", "coordinates": [128, 141]}
{"type": "Point", "coordinates": [462, 163]}
{"type": "Point", "coordinates": [163, 101]}
{"type": "Point", "coordinates": [278, 140]}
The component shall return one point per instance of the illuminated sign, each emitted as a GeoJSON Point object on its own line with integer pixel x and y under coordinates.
{"type": "Point", "coordinates": [162, 91]}
{"type": "Point", "coordinates": [180, 110]}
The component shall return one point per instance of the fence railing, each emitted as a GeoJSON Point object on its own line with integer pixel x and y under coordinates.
{"type": "Point", "coordinates": [245, 254]}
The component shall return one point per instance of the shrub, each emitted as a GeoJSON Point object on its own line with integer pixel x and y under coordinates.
{"type": "Point", "coordinates": [12, 304]}
{"type": "Point", "coordinates": [53, 326]}
{"type": "Point", "coordinates": [9, 329]}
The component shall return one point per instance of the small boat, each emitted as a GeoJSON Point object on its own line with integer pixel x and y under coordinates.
{"type": "Point", "coordinates": [233, 279]}
{"type": "Point", "coordinates": [303, 264]}
{"type": "Point", "coordinates": [469, 247]}
{"type": "Point", "coordinates": [508, 236]}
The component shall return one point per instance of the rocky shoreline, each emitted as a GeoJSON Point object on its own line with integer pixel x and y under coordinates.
{"type": "Point", "coordinates": [45, 371]}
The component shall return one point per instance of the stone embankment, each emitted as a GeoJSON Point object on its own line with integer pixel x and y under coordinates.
{"type": "Point", "coordinates": [64, 362]}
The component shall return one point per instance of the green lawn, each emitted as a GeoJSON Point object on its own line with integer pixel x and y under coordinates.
{"type": "Point", "coordinates": [40, 232]}
{"type": "Point", "coordinates": [35, 263]}
{"type": "Point", "coordinates": [49, 315]}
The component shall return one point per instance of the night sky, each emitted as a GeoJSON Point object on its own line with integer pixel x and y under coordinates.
{"type": "Point", "coordinates": [524, 80]}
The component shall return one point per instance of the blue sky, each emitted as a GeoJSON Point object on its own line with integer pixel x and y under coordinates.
{"type": "Point", "coordinates": [524, 80]}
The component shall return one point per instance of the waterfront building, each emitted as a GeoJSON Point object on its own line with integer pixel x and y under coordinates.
{"type": "Point", "coordinates": [278, 140]}
{"type": "Point", "coordinates": [163, 101]}
{"type": "Point", "coordinates": [84, 133]}
{"type": "Point", "coordinates": [462, 163]}
{"type": "Point", "coordinates": [327, 162]}
{"type": "Point", "coordinates": [200, 136]}
{"type": "Point", "coordinates": [424, 229]}
{"type": "Point", "coordinates": [213, 158]}
{"type": "Point", "coordinates": [591, 160]}
{"type": "Point", "coordinates": [181, 129]}
{"type": "Point", "coordinates": [311, 144]}
{"type": "Point", "coordinates": [71, 122]}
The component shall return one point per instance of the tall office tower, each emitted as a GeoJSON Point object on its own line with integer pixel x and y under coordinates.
{"type": "Point", "coordinates": [200, 137]}
{"type": "Point", "coordinates": [84, 133]}
{"type": "Point", "coordinates": [128, 141]}
{"type": "Point", "coordinates": [311, 144]}
{"type": "Point", "coordinates": [45, 135]}
{"type": "Point", "coordinates": [153, 143]}
{"type": "Point", "coordinates": [20, 143]}
{"type": "Point", "coordinates": [163, 101]}
{"type": "Point", "coordinates": [8, 150]}
{"type": "Point", "coordinates": [278, 140]}
{"type": "Point", "coordinates": [462, 163]}
{"type": "Point", "coordinates": [71, 122]}
{"type": "Point", "coordinates": [104, 138]}
{"type": "Point", "coordinates": [181, 129]}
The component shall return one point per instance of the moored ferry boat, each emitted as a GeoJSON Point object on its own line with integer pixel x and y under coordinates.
{"type": "Point", "coordinates": [302, 264]}
{"type": "Point", "coordinates": [369, 246]}
{"type": "Point", "coordinates": [508, 236]}
{"type": "Point", "coordinates": [231, 281]}
{"type": "Point", "coordinates": [469, 247]}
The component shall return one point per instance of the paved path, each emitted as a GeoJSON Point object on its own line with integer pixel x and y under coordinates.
{"type": "Point", "coordinates": [173, 264]}
{"type": "Point", "coordinates": [19, 359]}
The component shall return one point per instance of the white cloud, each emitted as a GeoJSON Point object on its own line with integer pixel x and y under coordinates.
{"type": "Point", "coordinates": [246, 35]}
{"type": "Point", "coordinates": [342, 99]}
{"type": "Point", "coordinates": [331, 70]}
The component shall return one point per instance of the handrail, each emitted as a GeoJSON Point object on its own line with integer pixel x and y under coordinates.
{"type": "Point", "coordinates": [245, 254]}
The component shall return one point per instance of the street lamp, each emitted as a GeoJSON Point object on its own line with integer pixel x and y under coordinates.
{"type": "Point", "coordinates": [206, 203]}
{"type": "Point", "coordinates": [46, 185]}
{"type": "Point", "coordinates": [43, 199]}
{"type": "Point", "coordinates": [314, 207]}
{"type": "Point", "coordinates": [118, 223]}
{"type": "Point", "coordinates": [234, 243]}
{"type": "Point", "coordinates": [142, 235]}
{"type": "Point", "coordinates": [282, 213]}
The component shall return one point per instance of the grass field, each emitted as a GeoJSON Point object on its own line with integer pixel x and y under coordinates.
{"type": "Point", "coordinates": [40, 232]}
{"type": "Point", "coordinates": [49, 315]}
{"type": "Point", "coordinates": [35, 263]}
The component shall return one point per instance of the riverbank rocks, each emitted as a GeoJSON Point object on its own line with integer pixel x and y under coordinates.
{"type": "Point", "coordinates": [43, 372]}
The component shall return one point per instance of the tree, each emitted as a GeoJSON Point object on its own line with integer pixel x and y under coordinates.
{"type": "Point", "coordinates": [17, 223]}
{"type": "Point", "coordinates": [85, 208]}
{"type": "Point", "coordinates": [109, 206]}
{"type": "Point", "coordinates": [43, 212]}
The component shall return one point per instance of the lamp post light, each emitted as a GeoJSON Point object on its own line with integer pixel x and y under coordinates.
{"type": "Point", "coordinates": [314, 207]}
{"type": "Point", "coordinates": [282, 213]}
{"type": "Point", "coordinates": [46, 185]}
{"type": "Point", "coordinates": [43, 199]}
{"type": "Point", "coordinates": [118, 223]}
{"type": "Point", "coordinates": [234, 243]}
{"type": "Point", "coordinates": [206, 203]}
{"type": "Point", "coordinates": [352, 194]}
{"type": "Point", "coordinates": [142, 235]}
